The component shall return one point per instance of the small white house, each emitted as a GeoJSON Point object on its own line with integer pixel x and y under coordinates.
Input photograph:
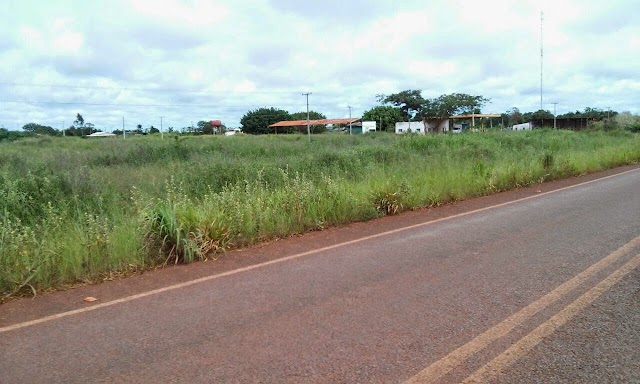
{"type": "Point", "coordinates": [368, 126]}
{"type": "Point", "coordinates": [522, 127]}
{"type": "Point", "coordinates": [410, 127]}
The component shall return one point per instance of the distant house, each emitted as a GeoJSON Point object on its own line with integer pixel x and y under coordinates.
{"type": "Point", "coordinates": [522, 127]}
{"type": "Point", "coordinates": [437, 125]}
{"type": "Point", "coordinates": [363, 127]}
{"type": "Point", "coordinates": [102, 134]}
{"type": "Point", "coordinates": [410, 127]}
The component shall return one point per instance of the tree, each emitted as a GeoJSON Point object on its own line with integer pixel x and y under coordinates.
{"type": "Point", "coordinates": [627, 120]}
{"type": "Point", "coordinates": [410, 102]}
{"type": "Point", "coordinates": [204, 127]}
{"type": "Point", "coordinates": [76, 131]}
{"type": "Point", "coordinates": [313, 115]}
{"type": "Point", "coordinates": [257, 122]}
{"type": "Point", "coordinates": [5, 134]}
{"type": "Point", "coordinates": [417, 108]}
{"type": "Point", "coordinates": [386, 115]}
{"type": "Point", "coordinates": [153, 129]}
{"type": "Point", "coordinates": [591, 113]}
{"type": "Point", "coordinates": [514, 116]}
{"type": "Point", "coordinates": [79, 121]}
{"type": "Point", "coordinates": [539, 115]}
{"type": "Point", "coordinates": [40, 129]}
{"type": "Point", "coordinates": [453, 104]}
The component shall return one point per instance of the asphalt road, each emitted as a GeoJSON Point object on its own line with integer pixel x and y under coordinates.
{"type": "Point", "coordinates": [536, 285]}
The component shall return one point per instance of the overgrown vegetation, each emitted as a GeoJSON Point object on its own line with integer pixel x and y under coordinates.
{"type": "Point", "coordinates": [74, 210]}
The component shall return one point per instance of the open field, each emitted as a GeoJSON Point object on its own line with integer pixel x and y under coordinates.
{"type": "Point", "coordinates": [74, 210]}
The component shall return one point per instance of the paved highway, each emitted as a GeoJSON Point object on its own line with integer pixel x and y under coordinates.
{"type": "Point", "coordinates": [540, 284]}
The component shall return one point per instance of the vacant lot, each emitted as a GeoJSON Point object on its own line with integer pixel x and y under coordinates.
{"type": "Point", "coordinates": [75, 210]}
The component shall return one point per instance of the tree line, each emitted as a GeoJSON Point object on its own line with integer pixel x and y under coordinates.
{"type": "Point", "coordinates": [82, 128]}
{"type": "Point", "coordinates": [407, 105]}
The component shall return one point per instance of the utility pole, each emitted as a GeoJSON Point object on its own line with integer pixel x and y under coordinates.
{"type": "Point", "coordinates": [124, 131]}
{"type": "Point", "coordinates": [63, 135]}
{"type": "Point", "coordinates": [349, 119]}
{"type": "Point", "coordinates": [308, 126]}
{"type": "Point", "coordinates": [554, 115]}
{"type": "Point", "coordinates": [161, 133]}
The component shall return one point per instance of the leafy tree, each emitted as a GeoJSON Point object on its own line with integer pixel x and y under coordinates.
{"type": "Point", "coordinates": [5, 134]}
{"type": "Point", "coordinates": [514, 116]}
{"type": "Point", "coordinates": [204, 127]}
{"type": "Point", "coordinates": [415, 107]}
{"type": "Point", "coordinates": [39, 129]}
{"type": "Point", "coordinates": [79, 121]}
{"type": "Point", "coordinates": [77, 131]}
{"type": "Point", "coordinates": [313, 115]}
{"type": "Point", "coordinates": [257, 122]}
{"type": "Point", "coordinates": [627, 120]}
{"type": "Point", "coordinates": [538, 115]}
{"type": "Point", "coordinates": [386, 115]}
{"type": "Point", "coordinates": [410, 102]}
{"type": "Point", "coordinates": [453, 104]}
{"type": "Point", "coordinates": [591, 113]}
{"type": "Point", "coordinates": [153, 130]}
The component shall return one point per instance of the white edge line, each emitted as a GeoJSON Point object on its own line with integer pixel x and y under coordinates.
{"type": "Point", "coordinates": [291, 257]}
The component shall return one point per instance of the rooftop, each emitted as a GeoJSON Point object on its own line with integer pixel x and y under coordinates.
{"type": "Point", "coordinates": [303, 123]}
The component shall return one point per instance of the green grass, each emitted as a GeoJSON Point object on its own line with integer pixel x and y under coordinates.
{"type": "Point", "coordinates": [74, 210]}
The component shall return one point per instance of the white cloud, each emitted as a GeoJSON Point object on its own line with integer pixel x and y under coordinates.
{"type": "Point", "coordinates": [201, 59]}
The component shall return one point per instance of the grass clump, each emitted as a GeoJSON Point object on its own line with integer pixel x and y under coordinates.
{"type": "Point", "coordinates": [76, 210]}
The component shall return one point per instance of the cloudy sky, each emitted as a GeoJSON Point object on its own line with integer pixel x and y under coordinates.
{"type": "Point", "coordinates": [192, 60]}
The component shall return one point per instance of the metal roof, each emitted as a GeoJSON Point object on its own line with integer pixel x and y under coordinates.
{"type": "Point", "coordinates": [476, 115]}
{"type": "Point", "coordinates": [303, 123]}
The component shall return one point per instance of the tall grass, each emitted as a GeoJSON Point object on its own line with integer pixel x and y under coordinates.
{"type": "Point", "coordinates": [80, 210]}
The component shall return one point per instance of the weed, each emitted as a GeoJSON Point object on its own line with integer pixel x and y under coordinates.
{"type": "Point", "coordinates": [80, 210]}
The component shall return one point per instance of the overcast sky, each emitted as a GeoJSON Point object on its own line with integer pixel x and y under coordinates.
{"type": "Point", "coordinates": [201, 60]}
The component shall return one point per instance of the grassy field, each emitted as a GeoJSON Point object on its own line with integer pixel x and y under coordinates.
{"type": "Point", "coordinates": [74, 210]}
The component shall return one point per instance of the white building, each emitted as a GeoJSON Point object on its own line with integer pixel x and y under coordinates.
{"type": "Point", "coordinates": [522, 127]}
{"type": "Point", "coordinates": [101, 134]}
{"type": "Point", "coordinates": [368, 126]}
{"type": "Point", "coordinates": [437, 125]}
{"type": "Point", "coordinates": [410, 127]}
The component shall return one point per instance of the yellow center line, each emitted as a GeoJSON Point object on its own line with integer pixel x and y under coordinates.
{"type": "Point", "coordinates": [452, 360]}
{"type": "Point", "coordinates": [524, 345]}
